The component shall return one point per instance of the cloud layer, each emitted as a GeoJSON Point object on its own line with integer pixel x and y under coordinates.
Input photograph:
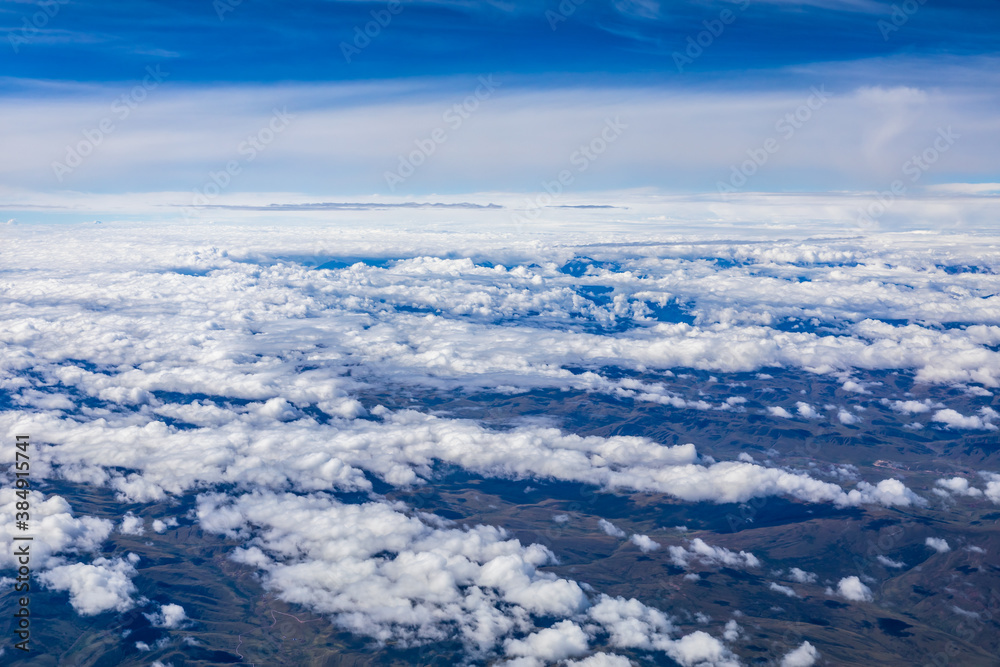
{"type": "Point", "coordinates": [238, 367]}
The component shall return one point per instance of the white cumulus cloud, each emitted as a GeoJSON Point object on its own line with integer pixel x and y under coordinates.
{"type": "Point", "coordinates": [954, 419]}
{"type": "Point", "coordinates": [563, 640]}
{"type": "Point", "coordinates": [958, 486]}
{"type": "Point", "coordinates": [644, 542]}
{"type": "Point", "coordinates": [131, 525]}
{"type": "Point", "coordinates": [938, 544]}
{"type": "Point", "coordinates": [801, 576]}
{"type": "Point", "coordinates": [851, 588]}
{"type": "Point", "coordinates": [698, 550]}
{"type": "Point", "coordinates": [169, 616]}
{"type": "Point", "coordinates": [104, 585]}
{"type": "Point", "coordinates": [804, 656]}
{"type": "Point", "coordinates": [611, 529]}
{"type": "Point", "coordinates": [784, 590]}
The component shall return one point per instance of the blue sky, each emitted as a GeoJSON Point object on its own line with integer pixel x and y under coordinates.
{"type": "Point", "coordinates": [266, 41]}
{"type": "Point", "coordinates": [700, 87]}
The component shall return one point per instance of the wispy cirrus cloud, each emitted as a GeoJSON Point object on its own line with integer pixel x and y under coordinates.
{"type": "Point", "coordinates": [345, 137]}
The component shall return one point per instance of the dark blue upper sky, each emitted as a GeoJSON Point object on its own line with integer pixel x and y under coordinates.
{"type": "Point", "coordinates": [265, 40]}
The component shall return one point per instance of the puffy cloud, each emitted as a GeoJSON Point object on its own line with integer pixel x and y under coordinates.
{"type": "Point", "coordinates": [701, 649]}
{"type": "Point", "coordinates": [645, 543]}
{"type": "Point", "coordinates": [856, 387]}
{"type": "Point", "coordinates": [279, 409]}
{"type": "Point", "coordinates": [784, 590]}
{"type": "Point", "coordinates": [888, 562]}
{"type": "Point", "coordinates": [698, 550]}
{"type": "Point", "coordinates": [104, 585]}
{"type": "Point", "coordinates": [55, 529]}
{"type": "Point", "coordinates": [846, 417]}
{"type": "Point", "coordinates": [732, 631]}
{"type": "Point", "coordinates": [958, 486]}
{"type": "Point", "coordinates": [801, 576]}
{"type": "Point", "coordinates": [134, 488]}
{"type": "Point", "coordinates": [169, 616]}
{"type": "Point", "coordinates": [938, 544]}
{"type": "Point", "coordinates": [888, 492]}
{"type": "Point", "coordinates": [954, 419]}
{"type": "Point", "coordinates": [778, 411]}
{"type": "Point", "coordinates": [631, 624]}
{"type": "Point", "coordinates": [992, 490]}
{"type": "Point", "coordinates": [852, 589]}
{"type": "Point", "coordinates": [804, 656]}
{"type": "Point", "coordinates": [160, 526]}
{"type": "Point", "coordinates": [563, 640]}
{"type": "Point", "coordinates": [611, 529]}
{"type": "Point", "coordinates": [381, 573]}
{"type": "Point", "coordinates": [131, 525]}
{"type": "Point", "coordinates": [402, 447]}
{"type": "Point", "coordinates": [807, 411]}
{"type": "Point", "coordinates": [913, 407]}
{"type": "Point", "coordinates": [456, 288]}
